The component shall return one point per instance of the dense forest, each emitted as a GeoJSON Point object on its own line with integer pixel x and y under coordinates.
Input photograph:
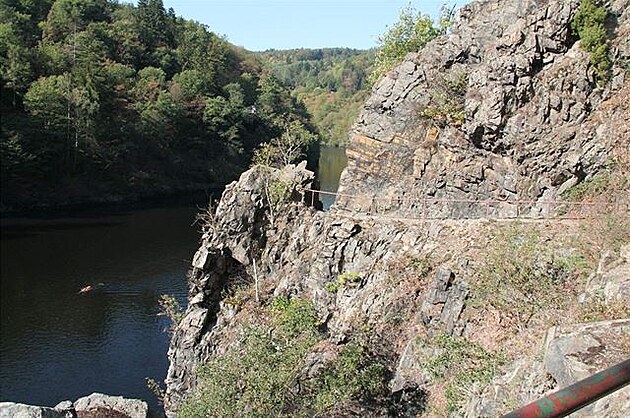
{"type": "Point", "coordinates": [104, 101]}
{"type": "Point", "coordinates": [331, 82]}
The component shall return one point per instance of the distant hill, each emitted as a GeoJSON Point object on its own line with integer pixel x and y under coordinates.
{"type": "Point", "coordinates": [106, 101]}
{"type": "Point", "coordinates": [331, 82]}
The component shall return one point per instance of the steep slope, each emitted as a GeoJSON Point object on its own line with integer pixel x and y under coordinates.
{"type": "Point", "coordinates": [502, 108]}
{"type": "Point", "coordinates": [440, 306]}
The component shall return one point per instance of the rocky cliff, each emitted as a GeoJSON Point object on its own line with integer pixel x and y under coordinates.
{"type": "Point", "coordinates": [533, 119]}
{"type": "Point", "coordinates": [458, 311]}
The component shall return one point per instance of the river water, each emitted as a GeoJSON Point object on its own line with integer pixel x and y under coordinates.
{"type": "Point", "coordinates": [57, 344]}
{"type": "Point", "coordinates": [332, 161]}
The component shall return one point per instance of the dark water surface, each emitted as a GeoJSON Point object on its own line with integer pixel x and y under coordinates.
{"type": "Point", "coordinates": [56, 344]}
{"type": "Point", "coordinates": [332, 161]}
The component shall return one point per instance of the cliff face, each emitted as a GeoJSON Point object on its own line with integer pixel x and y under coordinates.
{"type": "Point", "coordinates": [535, 122]}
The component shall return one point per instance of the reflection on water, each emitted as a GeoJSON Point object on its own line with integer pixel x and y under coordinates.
{"type": "Point", "coordinates": [56, 344]}
{"type": "Point", "coordinates": [332, 161]}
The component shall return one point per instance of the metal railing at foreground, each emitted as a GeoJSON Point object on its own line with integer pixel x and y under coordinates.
{"type": "Point", "coordinates": [578, 395]}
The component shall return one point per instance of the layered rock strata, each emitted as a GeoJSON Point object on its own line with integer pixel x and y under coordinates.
{"type": "Point", "coordinates": [534, 120]}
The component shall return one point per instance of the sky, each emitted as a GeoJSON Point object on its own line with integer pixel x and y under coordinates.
{"type": "Point", "coordinates": [258, 25]}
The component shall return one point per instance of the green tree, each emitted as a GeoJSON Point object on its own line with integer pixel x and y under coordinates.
{"type": "Point", "coordinates": [153, 23]}
{"type": "Point", "coordinates": [287, 148]}
{"type": "Point", "coordinates": [410, 33]}
{"type": "Point", "coordinates": [589, 23]}
{"type": "Point", "coordinates": [71, 16]}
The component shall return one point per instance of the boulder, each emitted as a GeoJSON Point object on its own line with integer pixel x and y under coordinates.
{"type": "Point", "coordinates": [110, 406]}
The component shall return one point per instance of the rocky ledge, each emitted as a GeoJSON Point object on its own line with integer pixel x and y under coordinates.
{"type": "Point", "coordinates": [96, 405]}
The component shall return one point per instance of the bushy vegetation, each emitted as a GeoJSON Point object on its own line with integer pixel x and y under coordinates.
{"type": "Point", "coordinates": [253, 377]}
{"type": "Point", "coordinates": [287, 148]}
{"type": "Point", "coordinates": [171, 308]}
{"type": "Point", "coordinates": [106, 99]}
{"type": "Point", "coordinates": [258, 375]}
{"type": "Point", "coordinates": [332, 83]}
{"type": "Point", "coordinates": [412, 32]}
{"type": "Point", "coordinates": [353, 375]}
{"type": "Point", "coordinates": [590, 25]}
{"type": "Point", "coordinates": [348, 279]}
{"type": "Point", "coordinates": [447, 101]}
{"type": "Point", "coordinates": [520, 276]}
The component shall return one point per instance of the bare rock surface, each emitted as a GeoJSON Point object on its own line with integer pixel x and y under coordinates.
{"type": "Point", "coordinates": [95, 405]}
{"type": "Point", "coordinates": [117, 405]}
{"type": "Point", "coordinates": [572, 353]}
{"type": "Point", "coordinates": [536, 121]}
{"type": "Point", "coordinates": [18, 410]}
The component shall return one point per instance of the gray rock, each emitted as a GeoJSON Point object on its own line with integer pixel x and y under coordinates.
{"type": "Point", "coordinates": [18, 410]}
{"type": "Point", "coordinates": [66, 408]}
{"type": "Point", "coordinates": [578, 351]}
{"type": "Point", "coordinates": [535, 123]}
{"type": "Point", "coordinates": [132, 408]}
{"type": "Point", "coordinates": [444, 302]}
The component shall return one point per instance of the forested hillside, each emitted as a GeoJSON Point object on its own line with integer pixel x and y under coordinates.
{"type": "Point", "coordinates": [331, 82]}
{"type": "Point", "coordinates": [107, 101]}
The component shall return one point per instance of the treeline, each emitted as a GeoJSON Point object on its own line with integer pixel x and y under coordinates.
{"type": "Point", "coordinates": [331, 82]}
{"type": "Point", "coordinates": [103, 101]}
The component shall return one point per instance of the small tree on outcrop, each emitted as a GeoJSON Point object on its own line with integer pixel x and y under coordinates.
{"type": "Point", "coordinates": [410, 33]}
{"type": "Point", "coordinates": [589, 24]}
{"type": "Point", "coordinates": [287, 148]}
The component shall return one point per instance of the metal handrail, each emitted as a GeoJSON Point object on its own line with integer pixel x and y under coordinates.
{"type": "Point", "coordinates": [578, 395]}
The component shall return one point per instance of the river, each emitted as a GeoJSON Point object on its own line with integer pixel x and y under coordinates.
{"type": "Point", "coordinates": [57, 344]}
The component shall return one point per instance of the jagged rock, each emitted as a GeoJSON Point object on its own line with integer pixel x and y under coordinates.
{"type": "Point", "coordinates": [18, 410]}
{"type": "Point", "coordinates": [410, 369]}
{"type": "Point", "coordinates": [241, 225]}
{"type": "Point", "coordinates": [524, 380]}
{"type": "Point", "coordinates": [572, 353]}
{"type": "Point", "coordinates": [444, 303]}
{"type": "Point", "coordinates": [66, 408]}
{"type": "Point", "coordinates": [536, 120]}
{"type": "Point", "coordinates": [115, 405]}
{"type": "Point", "coordinates": [611, 281]}
{"type": "Point", "coordinates": [577, 351]}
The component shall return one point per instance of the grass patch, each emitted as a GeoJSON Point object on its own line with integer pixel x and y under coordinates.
{"type": "Point", "coordinates": [461, 364]}
{"type": "Point", "coordinates": [600, 310]}
{"type": "Point", "coordinates": [521, 276]}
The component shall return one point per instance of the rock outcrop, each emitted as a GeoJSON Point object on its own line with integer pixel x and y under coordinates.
{"type": "Point", "coordinates": [94, 405]}
{"type": "Point", "coordinates": [535, 123]}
